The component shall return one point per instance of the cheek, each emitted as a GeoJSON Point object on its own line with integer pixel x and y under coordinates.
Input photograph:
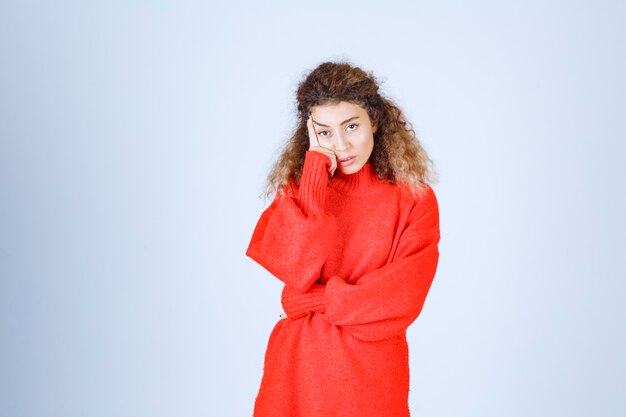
{"type": "Point", "coordinates": [324, 140]}
{"type": "Point", "coordinates": [365, 141]}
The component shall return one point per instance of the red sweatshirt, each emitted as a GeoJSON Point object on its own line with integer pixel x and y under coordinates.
{"type": "Point", "coordinates": [357, 256]}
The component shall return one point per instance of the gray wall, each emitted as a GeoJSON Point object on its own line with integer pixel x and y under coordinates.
{"type": "Point", "coordinates": [135, 138]}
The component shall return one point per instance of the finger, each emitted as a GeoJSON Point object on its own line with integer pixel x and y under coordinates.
{"type": "Point", "coordinates": [309, 131]}
{"type": "Point", "coordinates": [333, 160]}
{"type": "Point", "coordinates": [330, 154]}
{"type": "Point", "coordinates": [312, 132]}
{"type": "Point", "coordinates": [333, 157]}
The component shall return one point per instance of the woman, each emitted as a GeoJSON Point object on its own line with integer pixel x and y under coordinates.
{"type": "Point", "coordinates": [353, 233]}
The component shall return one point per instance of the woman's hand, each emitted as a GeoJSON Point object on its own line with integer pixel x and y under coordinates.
{"type": "Point", "coordinates": [314, 145]}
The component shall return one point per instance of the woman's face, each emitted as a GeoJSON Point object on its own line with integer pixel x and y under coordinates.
{"type": "Point", "coordinates": [346, 129]}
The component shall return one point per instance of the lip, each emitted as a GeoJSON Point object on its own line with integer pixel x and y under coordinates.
{"type": "Point", "coordinates": [347, 160]}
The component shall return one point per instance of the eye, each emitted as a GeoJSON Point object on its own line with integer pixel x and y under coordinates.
{"type": "Point", "coordinates": [353, 124]}
{"type": "Point", "coordinates": [323, 131]}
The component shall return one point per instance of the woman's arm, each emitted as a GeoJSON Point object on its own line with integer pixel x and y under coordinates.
{"type": "Point", "coordinates": [292, 236]}
{"type": "Point", "coordinates": [383, 302]}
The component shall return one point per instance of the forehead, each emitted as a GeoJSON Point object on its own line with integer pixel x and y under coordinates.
{"type": "Point", "coordinates": [337, 112]}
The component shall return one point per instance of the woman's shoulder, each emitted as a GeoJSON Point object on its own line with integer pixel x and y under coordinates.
{"type": "Point", "coordinates": [422, 194]}
{"type": "Point", "coordinates": [419, 202]}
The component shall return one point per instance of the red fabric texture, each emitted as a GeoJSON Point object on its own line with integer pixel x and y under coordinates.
{"type": "Point", "coordinates": [357, 255]}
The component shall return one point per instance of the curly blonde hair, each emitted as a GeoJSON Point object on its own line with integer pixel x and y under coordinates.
{"type": "Point", "coordinates": [398, 156]}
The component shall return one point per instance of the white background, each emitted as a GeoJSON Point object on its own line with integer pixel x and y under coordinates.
{"type": "Point", "coordinates": [135, 140]}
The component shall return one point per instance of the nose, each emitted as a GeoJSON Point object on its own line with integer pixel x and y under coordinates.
{"type": "Point", "coordinates": [340, 143]}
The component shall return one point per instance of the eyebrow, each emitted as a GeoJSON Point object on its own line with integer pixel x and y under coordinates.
{"type": "Point", "coordinates": [342, 123]}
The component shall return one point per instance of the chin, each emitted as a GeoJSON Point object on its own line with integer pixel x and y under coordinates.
{"type": "Point", "coordinates": [351, 169]}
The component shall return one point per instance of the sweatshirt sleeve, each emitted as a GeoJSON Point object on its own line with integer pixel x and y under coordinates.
{"type": "Point", "coordinates": [384, 302]}
{"type": "Point", "coordinates": [292, 237]}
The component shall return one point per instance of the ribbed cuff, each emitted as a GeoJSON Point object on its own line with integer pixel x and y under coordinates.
{"type": "Point", "coordinates": [297, 304]}
{"type": "Point", "coordinates": [313, 182]}
{"type": "Point", "coordinates": [334, 305]}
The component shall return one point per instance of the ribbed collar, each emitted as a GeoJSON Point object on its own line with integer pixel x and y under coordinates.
{"type": "Point", "coordinates": [361, 180]}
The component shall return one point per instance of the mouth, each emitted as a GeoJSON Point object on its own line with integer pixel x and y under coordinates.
{"type": "Point", "coordinates": [347, 158]}
{"type": "Point", "coordinates": [345, 161]}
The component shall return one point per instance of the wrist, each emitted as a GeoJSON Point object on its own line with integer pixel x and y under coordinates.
{"type": "Point", "coordinates": [313, 182]}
